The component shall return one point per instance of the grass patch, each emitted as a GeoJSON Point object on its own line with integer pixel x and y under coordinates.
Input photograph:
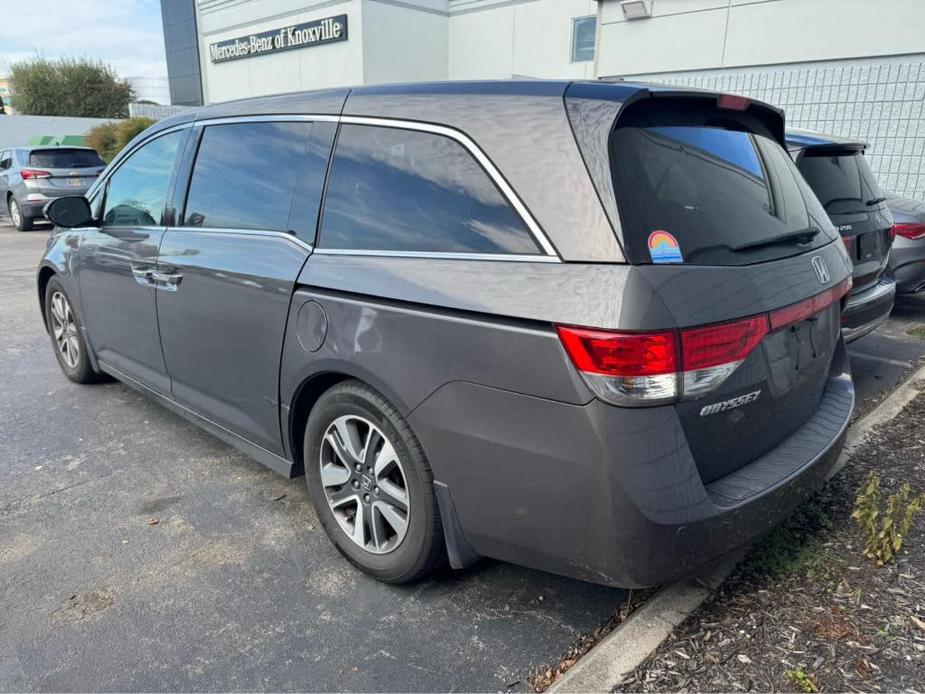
{"type": "Point", "coordinates": [917, 331]}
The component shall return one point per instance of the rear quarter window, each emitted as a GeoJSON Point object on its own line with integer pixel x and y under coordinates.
{"type": "Point", "coordinates": [723, 194]}
{"type": "Point", "coordinates": [403, 190]}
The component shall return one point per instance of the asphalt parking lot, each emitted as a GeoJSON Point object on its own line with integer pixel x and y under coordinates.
{"type": "Point", "coordinates": [139, 553]}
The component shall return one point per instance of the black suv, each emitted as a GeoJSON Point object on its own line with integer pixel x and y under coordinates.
{"type": "Point", "coordinates": [838, 173]}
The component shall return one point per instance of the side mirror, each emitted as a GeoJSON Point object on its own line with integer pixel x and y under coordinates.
{"type": "Point", "coordinates": [71, 211]}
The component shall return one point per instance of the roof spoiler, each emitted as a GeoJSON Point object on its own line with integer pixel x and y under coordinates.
{"type": "Point", "coordinates": [629, 93]}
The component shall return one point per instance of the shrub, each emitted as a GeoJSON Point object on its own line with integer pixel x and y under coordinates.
{"type": "Point", "coordinates": [69, 87]}
{"type": "Point", "coordinates": [109, 138]}
{"type": "Point", "coordinates": [884, 530]}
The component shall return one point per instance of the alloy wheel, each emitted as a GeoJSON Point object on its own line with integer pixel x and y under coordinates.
{"type": "Point", "coordinates": [64, 329]}
{"type": "Point", "coordinates": [365, 484]}
{"type": "Point", "coordinates": [15, 212]}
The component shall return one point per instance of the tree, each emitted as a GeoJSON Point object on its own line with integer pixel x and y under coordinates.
{"type": "Point", "coordinates": [108, 139]}
{"type": "Point", "coordinates": [69, 87]}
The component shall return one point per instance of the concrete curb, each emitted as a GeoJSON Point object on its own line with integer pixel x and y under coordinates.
{"type": "Point", "coordinates": [623, 649]}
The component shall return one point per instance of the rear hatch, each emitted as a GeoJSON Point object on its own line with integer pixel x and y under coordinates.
{"type": "Point", "coordinates": [728, 240]}
{"type": "Point", "coordinates": [63, 171]}
{"type": "Point", "coordinates": [850, 195]}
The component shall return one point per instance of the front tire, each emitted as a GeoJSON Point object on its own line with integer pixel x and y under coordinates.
{"type": "Point", "coordinates": [20, 220]}
{"type": "Point", "coordinates": [64, 330]}
{"type": "Point", "coordinates": [372, 486]}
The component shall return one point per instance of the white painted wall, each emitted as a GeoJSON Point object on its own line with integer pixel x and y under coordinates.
{"type": "Point", "coordinates": [491, 39]}
{"type": "Point", "coordinates": [316, 67]}
{"type": "Point", "coordinates": [403, 44]}
{"type": "Point", "coordinates": [706, 34]}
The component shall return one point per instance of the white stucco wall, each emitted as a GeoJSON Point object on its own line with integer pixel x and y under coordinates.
{"type": "Point", "coordinates": [316, 67]}
{"type": "Point", "coordinates": [490, 39]}
{"type": "Point", "coordinates": [706, 34]}
{"type": "Point", "coordinates": [403, 43]}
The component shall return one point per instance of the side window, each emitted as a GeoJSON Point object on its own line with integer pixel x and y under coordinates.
{"type": "Point", "coordinates": [136, 192]}
{"type": "Point", "coordinates": [246, 175]}
{"type": "Point", "coordinates": [405, 190]}
{"type": "Point", "coordinates": [5, 160]}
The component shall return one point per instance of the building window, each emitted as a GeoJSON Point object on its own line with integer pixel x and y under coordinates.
{"type": "Point", "coordinates": [583, 29]}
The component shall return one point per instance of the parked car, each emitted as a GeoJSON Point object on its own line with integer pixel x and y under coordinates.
{"type": "Point", "coordinates": [590, 328]}
{"type": "Point", "coordinates": [837, 170]}
{"type": "Point", "coordinates": [31, 176]}
{"type": "Point", "coordinates": [907, 260]}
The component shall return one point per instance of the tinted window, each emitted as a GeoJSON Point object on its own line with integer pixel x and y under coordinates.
{"type": "Point", "coordinates": [844, 184]}
{"type": "Point", "coordinates": [245, 175]}
{"type": "Point", "coordinates": [5, 160]}
{"type": "Point", "coordinates": [583, 30]}
{"type": "Point", "coordinates": [722, 194]}
{"type": "Point", "coordinates": [64, 158]}
{"type": "Point", "coordinates": [403, 190]}
{"type": "Point", "coordinates": [136, 192]}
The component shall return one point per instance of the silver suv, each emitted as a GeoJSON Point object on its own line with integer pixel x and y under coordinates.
{"type": "Point", "coordinates": [31, 176]}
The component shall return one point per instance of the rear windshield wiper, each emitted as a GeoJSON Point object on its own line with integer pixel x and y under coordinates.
{"type": "Point", "coordinates": [875, 201]}
{"type": "Point", "coordinates": [801, 236]}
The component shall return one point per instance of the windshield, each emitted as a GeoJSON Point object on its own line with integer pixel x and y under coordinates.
{"type": "Point", "coordinates": [65, 158]}
{"type": "Point", "coordinates": [711, 196]}
{"type": "Point", "coordinates": [843, 183]}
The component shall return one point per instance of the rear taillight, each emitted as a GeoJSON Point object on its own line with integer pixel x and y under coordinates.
{"type": "Point", "coordinates": [711, 354]}
{"type": "Point", "coordinates": [29, 174]}
{"type": "Point", "coordinates": [638, 369]}
{"type": "Point", "coordinates": [913, 232]}
{"type": "Point", "coordinates": [847, 241]}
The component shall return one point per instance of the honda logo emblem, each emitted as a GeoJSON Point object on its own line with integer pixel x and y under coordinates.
{"type": "Point", "coordinates": [822, 272]}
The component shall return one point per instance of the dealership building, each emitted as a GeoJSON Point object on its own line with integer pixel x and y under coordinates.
{"type": "Point", "coordinates": [850, 67]}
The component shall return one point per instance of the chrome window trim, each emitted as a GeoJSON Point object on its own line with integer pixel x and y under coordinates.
{"type": "Point", "coordinates": [440, 255]}
{"type": "Point", "coordinates": [547, 255]}
{"type": "Point", "coordinates": [249, 232]}
{"type": "Point", "coordinates": [270, 118]}
{"type": "Point", "coordinates": [506, 190]}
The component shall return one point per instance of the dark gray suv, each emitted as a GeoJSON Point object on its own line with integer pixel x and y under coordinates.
{"type": "Point", "coordinates": [589, 328]}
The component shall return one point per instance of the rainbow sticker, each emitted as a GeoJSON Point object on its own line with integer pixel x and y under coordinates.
{"type": "Point", "coordinates": [664, 248]}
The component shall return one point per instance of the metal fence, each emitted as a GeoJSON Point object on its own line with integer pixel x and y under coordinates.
{"type": "Point", "coordinates": [881, 104]}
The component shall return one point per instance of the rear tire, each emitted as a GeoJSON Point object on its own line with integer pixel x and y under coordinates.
{"type": "Point", "coordinates": [20, 220]}
{"type": "Point", "coordinates": [64, 329]}
{"type": "Point", "coordinates": [375, 472]}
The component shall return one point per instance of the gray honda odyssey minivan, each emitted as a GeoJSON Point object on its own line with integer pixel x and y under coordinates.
{"type": "Point", "coordinates": [589, 328]}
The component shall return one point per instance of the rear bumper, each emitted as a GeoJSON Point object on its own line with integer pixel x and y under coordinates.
{"type": "Point", "coordinates": [33, 204]}
{"type": "Point", "coordinates": [867, 310]}
{"type": "Point", "coordinates": [612, 495]}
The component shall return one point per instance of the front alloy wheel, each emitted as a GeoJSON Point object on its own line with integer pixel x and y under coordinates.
{"type": "Point", "coordinates": [64, 330]}
{"type": "Point", "coordinates": [364, 484]}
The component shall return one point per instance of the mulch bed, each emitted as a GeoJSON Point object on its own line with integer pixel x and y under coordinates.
{"type": "Point", "coordinates": [807, 611]}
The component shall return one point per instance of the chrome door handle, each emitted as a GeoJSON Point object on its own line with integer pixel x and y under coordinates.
{"type": "Point", "coordinates": [143, 275]}
{"type": "Point", "coordinates": [166, 280]}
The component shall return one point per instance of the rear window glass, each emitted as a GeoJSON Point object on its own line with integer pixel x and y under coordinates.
{"type": "Point", "coordinates": [843, 183]}
{"type": "Point", "coordinates": [65, 158]}
{"type": "Point", "coordinates": [711, 196]}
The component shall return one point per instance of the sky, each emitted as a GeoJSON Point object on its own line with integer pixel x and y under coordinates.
{"type": "Point", "coordinates": [127, 34]}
